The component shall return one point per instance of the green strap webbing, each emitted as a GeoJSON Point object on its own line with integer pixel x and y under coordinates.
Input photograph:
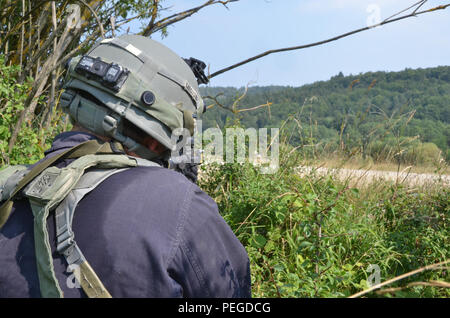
{"type": "Point", "coordinates": [5, 210]}
{"type": "Point", "coordinates": [45, 192]}
{"type": "Point", "coordinates": [48, 283]}
{"type": "Point", "coordinates": [42, 204]}
{"type": "Point", "coordinates": [88, 147]}
{"type": "Point", "coordinates": [90, 282]}
{"type": "Point", "coordinates": [65, 238]}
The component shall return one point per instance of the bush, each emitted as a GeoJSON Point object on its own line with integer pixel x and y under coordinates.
{"type": "Point", "coordinates": [407, 151]}
{"type": "Point", "coordinates": [424, 154]}
{"type": "Point", "coordinates": [314, 236]}
{"type": "Point", "coordinates": [32, 140]}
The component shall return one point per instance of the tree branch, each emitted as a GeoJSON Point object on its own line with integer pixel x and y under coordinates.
{"type": "Point", "coordinates": [234, 108]}
{"type": "Point", "coordinates": [154, 15]}
{"type": "Point", "coordinates": [429, 267]}
{"type": "Point", "coordinates": [153, 27]}
{"type": "Point", "coordinates": [299, 47]}
{"type": "Point", "coordinates": [417, 5]}
{"type": "Point", "coordinates": [432, 283]}
{"type": "Point", "coordinates": [100, 25]}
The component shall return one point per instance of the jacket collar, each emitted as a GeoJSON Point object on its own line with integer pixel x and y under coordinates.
{"type": "Point", "coordinates": [68, 140]}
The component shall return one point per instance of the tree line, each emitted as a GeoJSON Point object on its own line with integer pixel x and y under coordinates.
{"type": "Point", "coordinates": [366, 111]}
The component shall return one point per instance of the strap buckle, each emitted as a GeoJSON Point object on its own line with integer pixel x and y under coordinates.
{"type": "Point", "coordinates": [109, 124]}
{"type": "Point", "coordinates": [67, 246]}
{"type": "Point", "coordinates": [65, 241]}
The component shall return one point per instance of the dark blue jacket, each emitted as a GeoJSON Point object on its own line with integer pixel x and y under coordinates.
{"type": "Point", "coordinates": [147, 232]}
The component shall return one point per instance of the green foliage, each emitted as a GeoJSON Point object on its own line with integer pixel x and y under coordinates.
{"type": "Point", "coordinates": [352, 113]}
{"type": "Point", "coordinates": [314, 236]}
{"type": "Point", "coordinates": [409, 152]}
{"type": "Point", "coordinates": [32, 140]}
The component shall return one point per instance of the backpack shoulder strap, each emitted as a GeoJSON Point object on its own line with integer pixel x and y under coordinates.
{"type": "Point", "coordinates": [145, 163]}
{"type": "Point", "coordinates": [85, 148]}
{"type": "Point", "coordinates": [10, 177]}
{"type": "Point", "coordinates": [45, 192]}
{"type": "Point", "coordinates": [66, 244]}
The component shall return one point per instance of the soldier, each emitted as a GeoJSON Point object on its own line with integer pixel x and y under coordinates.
{"type": "Point", "coordinates": [101, 215]}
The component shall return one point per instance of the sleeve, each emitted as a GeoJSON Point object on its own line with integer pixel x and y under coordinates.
{"type": "Point", "coordinates": [210, 261]}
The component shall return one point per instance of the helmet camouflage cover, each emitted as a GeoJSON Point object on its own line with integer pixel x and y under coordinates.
{"type": "Point", "coordinates": [136, 79]}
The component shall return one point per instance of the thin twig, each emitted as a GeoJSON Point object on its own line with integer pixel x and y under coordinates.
{"type": "Point", "coordinates": [22, 36]}
{"type": "Point", "coordinates": [395, 279]}
{"type": "Point", "coordinates": [272, 278]}
{"type": "Point", "coordinates": [233, 108]}
{"type": "Point", "coordinates": [419, 4]}
{"type": "Point", "coordinates": [102, 31]}
{"type": "Point", "coordinates": [432, 283]}
{"type": "Point", "coordinates": [268, 204]}
{"type": "Point", "coordinates": [268, 104]}
{"type": "Point", "coordinates": [113, 26]}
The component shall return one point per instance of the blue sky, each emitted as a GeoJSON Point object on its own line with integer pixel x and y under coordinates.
{"type": "Point", "coordinates": [222, 37]}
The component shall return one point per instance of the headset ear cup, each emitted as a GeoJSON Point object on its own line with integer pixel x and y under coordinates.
{"type": "Point", "coordinates": [66, 99]}
{"type": "Point", "coordinates": [73, 107]}
{"type": "Point", "coordinates": [88, 114]}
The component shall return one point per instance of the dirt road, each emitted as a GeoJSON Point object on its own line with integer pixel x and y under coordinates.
{"type": "Point", "coordinates": [368, 176]}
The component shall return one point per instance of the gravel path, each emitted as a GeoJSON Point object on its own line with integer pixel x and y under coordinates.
{"type": "Point", "coordinates": [368, 176]}
{"type": "Point", "coordinates": [411, 179]}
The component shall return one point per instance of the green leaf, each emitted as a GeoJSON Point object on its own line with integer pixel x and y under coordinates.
{"type": "Point", "coordinates": [278, 267]}
{"type": "Point", "coordinates": [258, 241]}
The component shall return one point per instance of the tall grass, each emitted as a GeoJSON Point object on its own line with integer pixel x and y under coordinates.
{"type": "Point", "coordinates": [318, 235]}
{"type": "Point", "coordinates": [315, 236]}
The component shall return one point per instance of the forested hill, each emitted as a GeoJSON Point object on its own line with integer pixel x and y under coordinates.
{"type": "Point", "coordinates": [353, 105]}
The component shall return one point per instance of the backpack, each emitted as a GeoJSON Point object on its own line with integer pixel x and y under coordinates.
{"type": "Point", "coordinates": [49, 189]}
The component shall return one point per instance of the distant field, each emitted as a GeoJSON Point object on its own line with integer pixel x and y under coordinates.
{"type": "Point", "coordinates": [365, 176]}
{"type": "Point", "coordinates": [387, 166]}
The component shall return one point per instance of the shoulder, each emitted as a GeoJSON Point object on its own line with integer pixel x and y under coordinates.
{"type": "Point", "coordinates": [170, 186]}
{"type": "Point", "coordinates": [156, 188]}
{"type": "Point", "coordinates": [156, 178]}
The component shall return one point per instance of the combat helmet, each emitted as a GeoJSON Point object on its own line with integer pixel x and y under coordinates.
{"type": "Point", "coordinates": [133, 79]}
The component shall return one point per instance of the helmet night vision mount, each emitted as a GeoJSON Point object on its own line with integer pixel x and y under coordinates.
{"type": "Point", "coordinates": [111, 75]}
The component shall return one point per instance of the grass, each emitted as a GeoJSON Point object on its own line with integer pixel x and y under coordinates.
{"type": "Point", "coordinates": [318, 236]}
